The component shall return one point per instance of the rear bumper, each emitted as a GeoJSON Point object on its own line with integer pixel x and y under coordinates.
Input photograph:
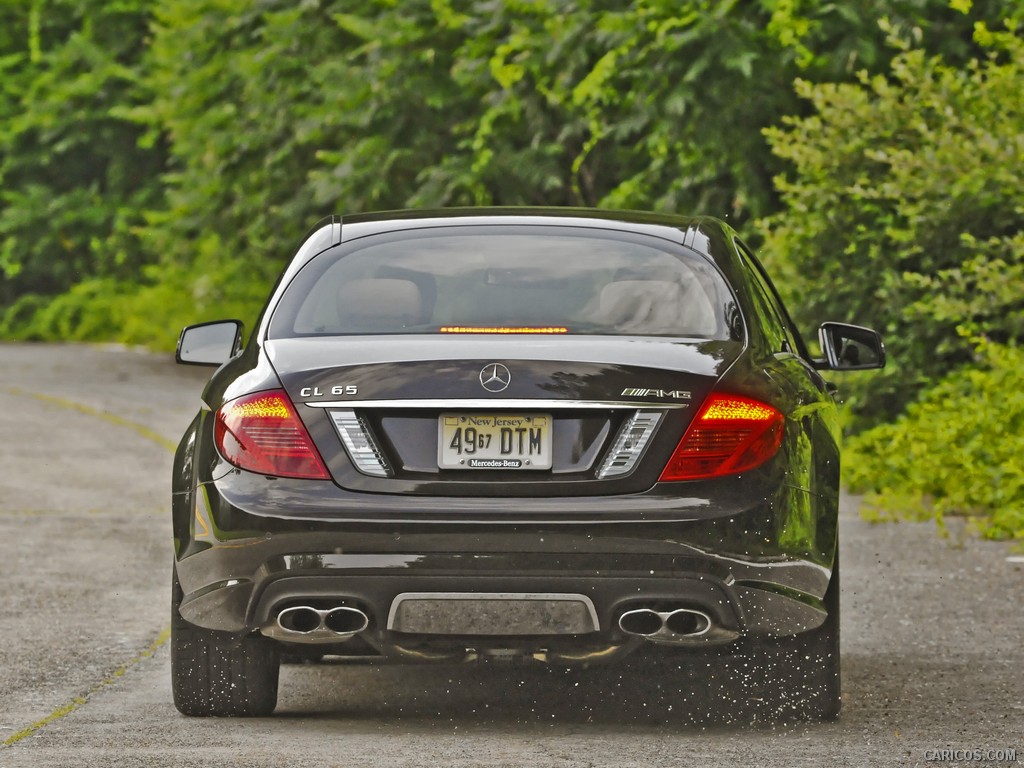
{"type": "Point", "coordinates": [243, 556]}
{"type": "Point", "coordinates": [373, 582]}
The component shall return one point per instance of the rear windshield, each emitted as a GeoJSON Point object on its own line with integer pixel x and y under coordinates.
{"type": "Point", "coordinates": [508, 280]}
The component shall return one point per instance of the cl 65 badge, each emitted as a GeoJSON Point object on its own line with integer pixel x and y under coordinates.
{"type": "Point", "coordinates": [341, 390]}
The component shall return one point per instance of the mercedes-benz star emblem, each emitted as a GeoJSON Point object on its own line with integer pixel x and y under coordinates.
{"type": "Point", "coordinates": [495, 377]}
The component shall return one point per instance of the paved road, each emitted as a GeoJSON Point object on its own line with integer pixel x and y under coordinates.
{"type": "Point", "coordinates": [933, 630]}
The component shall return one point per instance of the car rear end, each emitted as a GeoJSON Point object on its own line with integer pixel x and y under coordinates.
{"type": "Point", "coordinates": [458, 439]}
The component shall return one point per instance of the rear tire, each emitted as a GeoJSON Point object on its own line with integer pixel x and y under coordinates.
{"type": "Point", "coordinates": [217, 674]}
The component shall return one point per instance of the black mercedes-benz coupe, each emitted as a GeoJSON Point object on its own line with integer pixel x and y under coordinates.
{"type": "Point", "coordinates": [557, 435]}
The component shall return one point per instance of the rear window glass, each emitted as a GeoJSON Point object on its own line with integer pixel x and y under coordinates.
{"type": "Point", "coordinates": [539, 280]}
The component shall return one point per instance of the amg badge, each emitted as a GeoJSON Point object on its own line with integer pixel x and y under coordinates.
{"type": "Point", "coordinates": [678, 394]}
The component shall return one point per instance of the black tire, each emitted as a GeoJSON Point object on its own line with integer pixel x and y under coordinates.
{"type": "Point", "coordinates": [217, 674]}
{"type": "Point", "coordinates": [802, 672]}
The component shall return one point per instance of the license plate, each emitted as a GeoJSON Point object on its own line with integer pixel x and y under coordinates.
{"type": "Point", "coordinates": [494, 441]}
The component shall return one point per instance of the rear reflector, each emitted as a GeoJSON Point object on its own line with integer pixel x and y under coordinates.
{"type": "Point", "coordinates": [262, 433]}
{"type": "Point", "coordinates": [362, 449]}
{"type": "Point", "coordinates": [629, 444]}
{"type": "Point", "coordinates": [730, 434]}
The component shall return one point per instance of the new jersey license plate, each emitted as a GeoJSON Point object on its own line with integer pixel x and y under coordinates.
{"type": "Point", "coordinates": [494, 441]}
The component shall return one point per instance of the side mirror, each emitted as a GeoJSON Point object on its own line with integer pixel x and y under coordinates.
{"type": "Point", "coordinates": [209, 343]}
{"type": "Point", "coordinates": [850, 348]}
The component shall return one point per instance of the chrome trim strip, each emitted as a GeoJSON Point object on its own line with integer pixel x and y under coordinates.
{"type": "Point", "coordinates": [494, 404]}
{"type": "Point", "coordinates": [541, 596]}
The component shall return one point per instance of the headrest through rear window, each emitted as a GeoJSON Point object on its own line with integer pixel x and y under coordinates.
{"type": "Point", "coordinates": [379, 304]}
{"type": "Point", "coordinates": [657, 306]}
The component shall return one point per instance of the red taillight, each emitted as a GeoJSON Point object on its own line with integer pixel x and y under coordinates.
{"type": "Point", "coordinates": [730, 434]}
{"type": "Point", "coordinates": [262, 433]}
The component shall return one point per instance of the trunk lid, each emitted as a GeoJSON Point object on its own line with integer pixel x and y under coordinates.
{"type": "Point", "coordinates": [603, 413]}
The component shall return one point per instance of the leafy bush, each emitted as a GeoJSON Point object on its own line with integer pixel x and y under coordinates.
{"type": "Point", "coordinates": [74, 178]}
{"type": "Point", "coordinates": [203, 136]}
{"type": "Point", "coordinates": [957, 450]}
{"type": "Point", "coordinates": [149, 312]}
{"type": "Point", "coordinates": [904, 212]}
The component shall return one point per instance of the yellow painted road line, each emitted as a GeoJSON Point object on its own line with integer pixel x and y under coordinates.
{"type": "Point", "coordinates": [79, 701]}
{"type": "Point", "coordinates": [111, 418]}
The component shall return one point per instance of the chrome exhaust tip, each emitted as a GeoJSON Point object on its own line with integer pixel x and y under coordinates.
{"type": "Point", "coordinates": [305, 624]}
{"type": "Point", "coordinates": [346, 621]}
{"type": "Point", "coordinates": [642, 621]}
{"type": "Point", "coordinates": [687, 622]}
{"type": "Point", "coordinates": [300, 619]}
{"type": "Point", "coordinates": [679, 625]}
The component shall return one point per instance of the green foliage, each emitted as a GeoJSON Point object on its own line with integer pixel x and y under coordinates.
{"type": "Point", "coordinates": [647, 107]}
{"type": "Point", "coordinates": [74, 181]}
{"type": "Point", "coordinates": [395, 118]}
{"type": "Point", "coordinates": [204, 136]}
{"type": "Point", "coordinates": [655, 105]}
{"type": "Point", "coordinates": [236, 93]}
{"type": "Point", "coordinates": [148, 312]}
{"type": "Point", "coordinates": [956, 451]}
{"type": "Point", "coordinates": [904, 211]}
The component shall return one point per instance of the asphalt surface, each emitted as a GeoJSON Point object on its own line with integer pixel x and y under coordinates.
{"type": "Point", "coordinates": [933, 630]}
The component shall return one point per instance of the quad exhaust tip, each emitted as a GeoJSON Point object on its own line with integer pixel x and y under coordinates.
{"type": "Point", "coordinates": [305, 624]}
{"type": "Point", "coordinates": [676, 625]}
